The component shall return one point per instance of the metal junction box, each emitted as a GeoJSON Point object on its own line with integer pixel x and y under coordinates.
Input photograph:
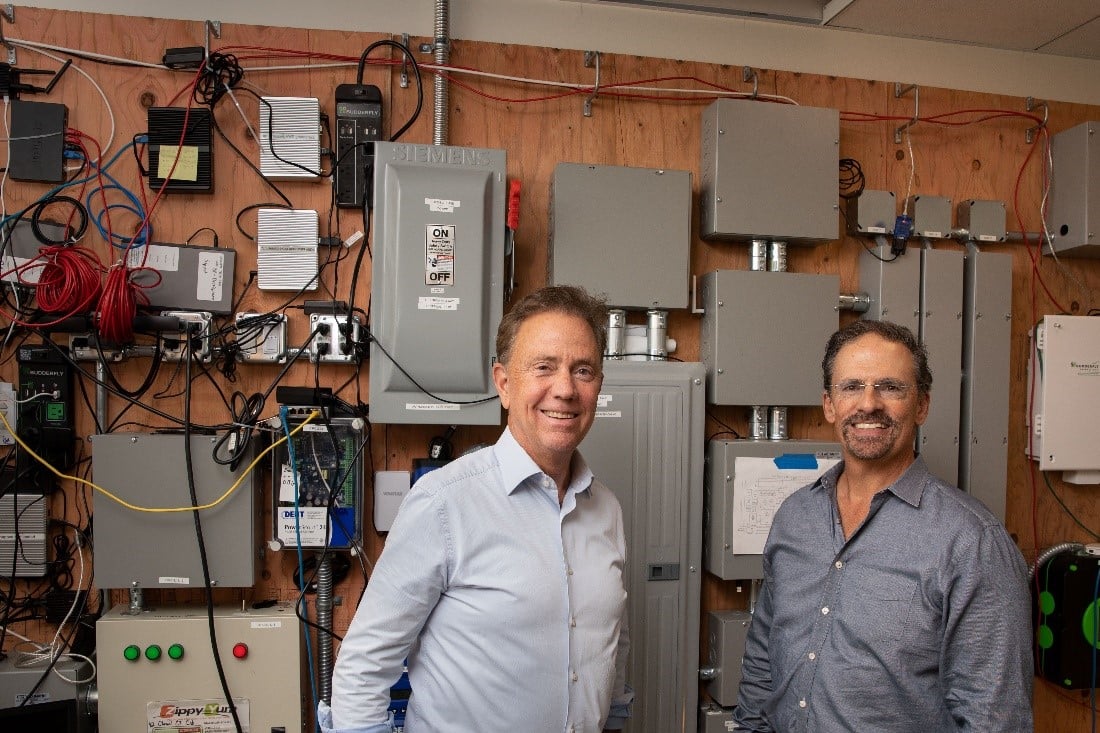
{"type": "Point", "coordinates": [746, 481]}
{"type": "Point", "coordinates": [983, 220]}
{"type": "Point", "coordinates": [1074, 213]}
{"type": "Point", "coordinates": [160, 550]}
{"type": "Point", "coordinates": [871, 213]}
{"type": "Point", "coordinates": [646, 444]}
{"type": "Point", "coordinates": [769, 171]}
{"type": "Point", "coordinates": [931, 216]}
{"type": "Point", "coordinates": [624, 233]}
{"type": "Point", "coordinates": [763, 335]}
{"type": "Point", "coordinates": [437, 287]}
{"type": "Point", "coordinates": [157, 671]}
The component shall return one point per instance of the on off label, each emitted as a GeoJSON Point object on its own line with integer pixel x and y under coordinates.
{"type": "Point", "coordinates": [439, 254]}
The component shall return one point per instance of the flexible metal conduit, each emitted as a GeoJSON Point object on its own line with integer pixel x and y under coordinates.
{"type": "Point", "coordinates": [441, 96]}
{"type": "Point", "coordinates": [1051, 552]}
{"type": "Point", "coordinates": [324, 621]}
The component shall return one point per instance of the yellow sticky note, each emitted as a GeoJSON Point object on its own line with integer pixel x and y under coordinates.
{"type": "Point", "coordinates": [184, 157]}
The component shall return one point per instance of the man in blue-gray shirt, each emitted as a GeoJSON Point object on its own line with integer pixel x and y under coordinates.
{"type": "Point", "coordinates": [892, 602]}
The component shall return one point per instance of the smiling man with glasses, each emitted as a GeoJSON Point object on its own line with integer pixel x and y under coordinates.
{"type": "Point", "coordinates": [892, 601]}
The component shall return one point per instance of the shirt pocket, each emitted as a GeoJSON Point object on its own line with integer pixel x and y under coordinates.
{"type": "Point", "coordinates": [876, 606]}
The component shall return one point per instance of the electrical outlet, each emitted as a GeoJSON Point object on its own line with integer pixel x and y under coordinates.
{"type": "Point", "coordinates": [333, 342]}
{"type": "Point", "coordinates": [7, 407]}
{"type": "Point", "coordinates": [261, 337]}
{"type": "Point", "coordinates": [197, 325]}
{"type": "Point", "coordinates": [82, 347]}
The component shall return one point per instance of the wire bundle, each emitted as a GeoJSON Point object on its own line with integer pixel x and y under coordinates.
{"type": "Point", "coordinates": [69, 280]}
{"type": "Point", "coordinates": [118, 305]}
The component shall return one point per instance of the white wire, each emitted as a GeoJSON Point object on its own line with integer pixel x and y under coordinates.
{"type": "Point", "coordinates": [36, 396]}
{"type": "Point", "coordinates": [912, 172]}
{"type": "Point", "coordinates": [244, 117]}
{"type": "Point", "coordinates": [30, 45]}
{"type": "Point", "coordinates": [106, 103]}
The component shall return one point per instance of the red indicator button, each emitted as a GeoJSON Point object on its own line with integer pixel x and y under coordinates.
{"type": "Point", "coordinates": [240, 650]}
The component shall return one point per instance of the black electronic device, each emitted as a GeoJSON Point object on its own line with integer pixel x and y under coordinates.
{"type": "Point", "coordinates": [37, 141]}
{"type": "Point", "coordinates": [358, 125]}
{"type": "Point", "coordinates": [45, 422]}
{"type": "Point", "coordinates": [181, 145]}
{"type": "Point", "coordinates": [51, 716]}
{"type": "Point", "coordinates": [1066, 620]}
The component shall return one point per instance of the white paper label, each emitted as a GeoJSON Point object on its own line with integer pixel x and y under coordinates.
{"type": "Point", "coordinates": [165, 259]}
{"type": "Point", "coordinates": [211, 276]}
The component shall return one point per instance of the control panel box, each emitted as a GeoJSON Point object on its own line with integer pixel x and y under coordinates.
{"type": "Point", "coordinates": [160, 550]}
{"type": "Point", "coordinates": [624, 233]}
{"type": "Point", "coordinates": [1065, 362]}
{"type": "Point", "coordinates": [763, 334]}
{"type": "Point", "coordinates": [1074, 212]}
{"type": "Point", "coordinates": [746, 481]}
{"type": "Point", "coordinates": [931, 216]}
{"type": "Point", "coordinates": [769, 171]}
{"type": "Point", "coordinates": [157, 670]}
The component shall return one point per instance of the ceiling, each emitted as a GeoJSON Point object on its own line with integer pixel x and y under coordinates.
{"type": "Point", "coordinates": [1060, 27]}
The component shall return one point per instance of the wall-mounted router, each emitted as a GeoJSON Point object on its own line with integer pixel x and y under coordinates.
{"type": "Point", "coordinates": [180, 150]}
{"type": "Point", "coordinates": [290, 138]}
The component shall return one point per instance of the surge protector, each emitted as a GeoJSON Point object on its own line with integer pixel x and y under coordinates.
{"type": "Point", "coordinates": [286, 249]}
{"type": "Point", "coordinates": [290, 138]}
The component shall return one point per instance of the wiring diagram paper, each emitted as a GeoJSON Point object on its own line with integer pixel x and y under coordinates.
{"type": "Point", "coordinates": [759, 486]}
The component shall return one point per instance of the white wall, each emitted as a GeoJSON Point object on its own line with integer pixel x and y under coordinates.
{"type": "Point", "coordinates": [665, 34]}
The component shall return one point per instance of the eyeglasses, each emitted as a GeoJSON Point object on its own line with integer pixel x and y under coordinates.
{"type": "Point", "coordinates": [886, 389]}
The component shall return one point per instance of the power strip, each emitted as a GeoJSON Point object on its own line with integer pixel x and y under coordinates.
{"type": "Point", "coordinates": [358, 125]}
{"type": "Point", "coordinates": [45, 417]}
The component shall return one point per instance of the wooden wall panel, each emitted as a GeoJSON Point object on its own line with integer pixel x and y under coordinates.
{"type": "Point", "coordinates": [540, 126]}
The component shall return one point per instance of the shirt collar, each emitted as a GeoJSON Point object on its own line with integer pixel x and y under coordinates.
{"type": "Point", "coordinates": [516, 467]}
{"type": "Point", "coordinates": [909, 487]}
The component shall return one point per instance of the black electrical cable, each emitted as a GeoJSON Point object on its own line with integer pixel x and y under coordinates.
{"type": "Point", "coordinates": [220, 73]}
{"type": "Point", "coordinates": [208, 588]}
{"type": "Point", "coordinates": [69, 237]}
{"type": "Point", "coordinates": [248, 162]}
{"type": "Point", "coordinates": [852, 180]}
{"type": "Point", "coordinates": [416, 73]}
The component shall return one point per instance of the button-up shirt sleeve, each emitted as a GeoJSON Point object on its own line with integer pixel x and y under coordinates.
{"type": "Point", "coordinates": [403, 590]}
{"type": "Point", "coordinates": [987, 677]}
{"type": "Point", "coordinates": [756, 676]}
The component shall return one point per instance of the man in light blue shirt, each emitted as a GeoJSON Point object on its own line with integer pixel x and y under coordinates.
{"type": "Point", "coordinates": [892, 602]}
{"type": "Point", "coordinates": [502, 577]}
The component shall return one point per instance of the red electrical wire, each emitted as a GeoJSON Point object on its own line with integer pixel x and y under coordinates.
{"type": "Point", "coordinates": [69, 280]}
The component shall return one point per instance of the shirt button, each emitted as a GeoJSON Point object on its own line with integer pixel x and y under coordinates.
{"type": "Point", "coordinates": [573, 621]}
{"type": "Point", "coordinates": [801, 703]}
{"type": "Point", "coordinates": [839, 564]}
{"type": "Point", "coordinates": [812, 656]}
{"type": "Point", "coordinates": [825, 611]}
{"type": "Point", "coordinates": [569, 571]}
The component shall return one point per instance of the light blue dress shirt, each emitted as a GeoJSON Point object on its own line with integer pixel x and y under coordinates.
{"type": "Point", "coordinates": [920, 622]}
{"type": "Point", "coordinates": [510, 608]}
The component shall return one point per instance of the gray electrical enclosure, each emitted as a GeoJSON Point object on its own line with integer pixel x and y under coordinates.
{"type": "Point", "coordinates": [646, 444]}
{"type": "Point", "coordinates": [763, 334]}
{"type": "Point", "coordinates": [987, 341]}
{"type": "Point", "coordinates": [941, 330]}
{"type": "Point", "coordinates": [186, 276]}
{"type": "Point", "coordinates": [871, 213]}
{"type": "Point", "coordinates": [1074, 213]}
{"type": "Point", "coordinates": [624, 233]}
{"type": "Point", "coordinates": [769, 171]}
{"type": "Point", "coordinates": [931, 216]}
{"type": "Point", "coordinates": [984, 221]}
{"type": "Point", "coordinates": [727, 632]}
{"type": "Point", "coordinates": [893, 283]}
{"type": "Point", "coordinates": [160, 550]}
{"type": "Point", "coordinates": [733, 522]}
{"type": "Point", "coordinates": [437, 287]}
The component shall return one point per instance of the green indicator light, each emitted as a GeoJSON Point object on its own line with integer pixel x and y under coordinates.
{"type": "Point", "coordinates": [175, 651]}
{"type": "Point", "coordinates": [152, 652]}
{"type": "Point", "coordinates": [1046, 602]}
{"type": "Point", "coordinates": [1046, 637]}
{"type": "Point", "coordinates": [131, 653]}
{"type": "Point", "coordinates": [1088, 624]}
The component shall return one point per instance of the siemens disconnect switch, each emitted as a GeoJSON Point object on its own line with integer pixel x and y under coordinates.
{"type": "Point", "coordinates": [437, 291]}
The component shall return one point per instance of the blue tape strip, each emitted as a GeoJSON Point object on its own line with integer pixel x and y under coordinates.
{"type": "Point", "coordinates": [796, 460]}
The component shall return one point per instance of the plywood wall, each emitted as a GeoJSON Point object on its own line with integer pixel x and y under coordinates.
{"type": "Point", "coordinates": [540, 126]}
